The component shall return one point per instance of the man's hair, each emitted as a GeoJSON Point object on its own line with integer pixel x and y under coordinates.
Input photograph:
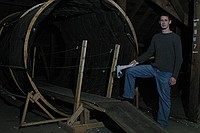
{"type": "Point", "coordinates": [166, 14]}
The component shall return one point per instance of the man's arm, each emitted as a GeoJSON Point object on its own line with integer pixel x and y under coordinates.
{"type": "Point", "coordinates": [178, 57]}
{"type": "Point", "coordinates": [149, 53]}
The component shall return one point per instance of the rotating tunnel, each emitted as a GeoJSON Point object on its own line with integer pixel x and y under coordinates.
{"type": "Point", "coordinates": [43, 44]}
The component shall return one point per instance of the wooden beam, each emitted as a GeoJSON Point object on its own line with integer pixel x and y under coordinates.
{"type": "Point", "coordinates": [166, 5]}
{"type": "Point", "coordinates": [194, 92]}
{"type": "Point", "coordinates": [180, 11]}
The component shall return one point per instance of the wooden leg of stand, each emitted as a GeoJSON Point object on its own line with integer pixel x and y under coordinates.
{"type": "Point", "coordinates": [85, 116]}
{"type": "Point", "coordinates": [75, 115]}
{"type": "Point", "coordinates": [26, 107]}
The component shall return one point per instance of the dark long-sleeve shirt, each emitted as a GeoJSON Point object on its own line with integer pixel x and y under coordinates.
{"type": "Point", "coordinates": [167, 50]}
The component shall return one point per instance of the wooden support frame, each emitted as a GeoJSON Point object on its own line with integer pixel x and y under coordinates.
{"type": "Point", "coordinates": [75, 115]}
{"type": "Point", "coordinates": [80, 112]}
{"type": "Point", "coordinates": [111, 80]}
{"type": "Point", "coordinates": [81, 126]}
{"type": "Point", "coordinates": [34, 99]}
{"type": "Point", "coordinates": [77, 127]}
{"type": "Point", "coordinates": [36, 94]}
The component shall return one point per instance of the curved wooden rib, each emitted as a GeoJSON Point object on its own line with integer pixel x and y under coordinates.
{"type": "Point", "coordinates": [43, 99]}
{"type": "Point", "coordinates": [30, 27]}
{"type": "Point", "coordinates": [111, 2]}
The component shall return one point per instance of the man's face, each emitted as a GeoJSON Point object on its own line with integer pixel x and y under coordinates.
{"type": "Point", "coordinates": [164, 22]}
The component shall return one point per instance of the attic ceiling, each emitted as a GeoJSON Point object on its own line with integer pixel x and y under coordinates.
{"type": "Point", "coordinates": [142, 13]}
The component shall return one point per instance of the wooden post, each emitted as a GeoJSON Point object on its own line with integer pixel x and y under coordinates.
{"type": "Point", "coordinates": [80, 76]}
{"type": "Point", "coordinates": [195, 63]}
{"type": "Point", "coordinates": [114, 63]}
{"type": "Point", "coordinates": [26, 107]}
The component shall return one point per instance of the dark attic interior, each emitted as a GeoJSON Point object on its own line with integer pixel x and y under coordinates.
{"type": "Point", "coordinates": [58, 61]}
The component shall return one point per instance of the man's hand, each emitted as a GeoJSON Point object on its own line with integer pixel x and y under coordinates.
{"type": "Point", "coordinates": [134, 62]}
{"type": "Point", "coordinates": [172, 81]}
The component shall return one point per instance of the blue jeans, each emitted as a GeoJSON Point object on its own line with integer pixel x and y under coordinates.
{"type": "Point", "coordinates": [163, 87]}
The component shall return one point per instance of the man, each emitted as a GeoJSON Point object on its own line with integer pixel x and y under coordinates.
{"type": "Point", "coordinates": [167, 51]}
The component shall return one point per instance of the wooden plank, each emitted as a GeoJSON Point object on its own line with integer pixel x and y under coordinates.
{"type": "Point", "coordinates": [43, 122]}
{"type": "Point", "coordinates": [130, 119]}
{"type": "Point", "coordinates": [67, 95]}
{"type": "Point", "coordinates": [91, 105]}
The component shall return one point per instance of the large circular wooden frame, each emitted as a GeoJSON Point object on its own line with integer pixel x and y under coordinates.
{"type": "Point", "coordinates": [28, 33]}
